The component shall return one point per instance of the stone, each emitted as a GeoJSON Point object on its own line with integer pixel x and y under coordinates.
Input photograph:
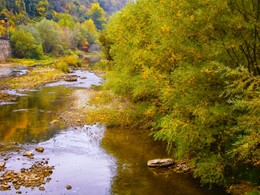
{"type": "Point", "coordinates": [5, 187]}
{"type": "Point", "coordinates": [71, 78]}
{"type": "Point", "coordinates": [182, 168]}
{"type": "Point", "coordinates": [2, 165]}
{"type": "Point", "coordinates": [68, 187]}
{"type": "Point", "coordinates": [17, 186]}
{"type": "Point", "coordinates": [39, 149]}
{"type": "Point", "coordinates": [28, 154]}
{"type": "Point", "coordinates": [160, 162]}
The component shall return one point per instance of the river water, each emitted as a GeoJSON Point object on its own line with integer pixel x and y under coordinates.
{"type": "Point", "coordinates": [89, 158]}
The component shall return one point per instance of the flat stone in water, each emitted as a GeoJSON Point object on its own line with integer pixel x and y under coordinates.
{"type": "Point", "coordinates": [160, 162]}
{"type": "Point", "coordinates": [28, 154]}
{"type": "Point", "coordinates": [71, 78]}
{"type": "Point", "coordinates": [39, 149]}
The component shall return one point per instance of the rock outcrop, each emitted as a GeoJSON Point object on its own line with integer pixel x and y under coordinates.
{"type": "Point", "coordinates": [5, 50]}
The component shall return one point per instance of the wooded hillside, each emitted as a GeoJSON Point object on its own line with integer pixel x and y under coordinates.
{"type": "Point", "coordinates": [19, 12]}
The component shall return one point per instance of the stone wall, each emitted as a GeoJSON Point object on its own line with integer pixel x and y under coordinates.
{"type": "Point", "coordinates": [5, 50]}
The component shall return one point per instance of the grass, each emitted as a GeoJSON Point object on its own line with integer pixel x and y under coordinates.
{"type": "Point", "coordinates": [47, 61]}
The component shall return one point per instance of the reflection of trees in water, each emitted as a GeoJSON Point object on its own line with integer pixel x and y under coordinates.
{"type": "Point", "coordinates": [132, 149]}
{"type": "Point", "coordinates": [29, 120]}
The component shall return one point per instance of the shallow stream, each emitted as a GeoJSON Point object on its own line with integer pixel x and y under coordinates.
{"type": "Point", "coordinates": [89, 158]}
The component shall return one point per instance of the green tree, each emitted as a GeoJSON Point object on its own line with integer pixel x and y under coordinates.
{"type": "Point", "coordinates": [50, 36]}
{"type": "Point", "coordinates": [25, 46]}
{"type": "Point", "coordinates": [42, 7]}
{"type": "Point", "coordinates": [66, 20]}
{"type": "Point", "coordinates": [98, 15]}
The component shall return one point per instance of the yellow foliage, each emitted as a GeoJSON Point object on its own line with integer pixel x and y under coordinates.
{"type": "Point", "coordinates": [165, 28]}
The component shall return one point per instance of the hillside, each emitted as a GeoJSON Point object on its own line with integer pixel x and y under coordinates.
{"type": "Point", "coordinates": [27, 11]}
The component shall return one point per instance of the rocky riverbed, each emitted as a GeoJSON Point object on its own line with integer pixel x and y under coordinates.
{"type": "Point", "coordinates": [34, 170]}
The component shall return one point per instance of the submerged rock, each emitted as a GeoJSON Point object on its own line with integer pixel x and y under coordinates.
{"type": "Point", "coordinates": [28, 154]}
{"type": "Point", "coordinates": [4, 187]}
{"type": "Point", "coordinates": [39, 149]}
{"type": "Point", "coordinates": [35, 176]}
{"type": "Point", "coordinates": [2, 165]}
{"type": "Point", "coordinates": [68, 187]}
{"type": "Point", "coordinates": [71, 78]}
{"type": "Point", "coordinates": [182, 167]}
{"type": "Point", "coordinates": [160, 162]}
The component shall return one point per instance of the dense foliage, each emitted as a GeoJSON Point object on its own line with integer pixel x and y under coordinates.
{"type": "Point", "coordinates": [48, 8]}
{"type": "Point", "coordinates": [53, 26]}
{"type": "Point", "coordinates": [190, 70]}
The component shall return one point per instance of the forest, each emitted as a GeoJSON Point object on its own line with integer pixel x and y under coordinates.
{"type": "Point", "coordinates": [41, 27]}
{"type": "Point", "coordinates": [189, 71]}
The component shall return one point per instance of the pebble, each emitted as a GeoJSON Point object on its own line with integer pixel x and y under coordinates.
{"type": "Point", "coordinates": [39, 149]}
{"type": "Point", "coordinates": [2, 164]}
{"type": "Point", "coordinates": [5, 187]}
{"type": "Point", "coordinates": [27, 153]}
{"type": "Point", "coordinates": [68, 187]}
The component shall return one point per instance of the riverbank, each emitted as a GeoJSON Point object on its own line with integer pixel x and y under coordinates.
{"type": "Point", "coordinates": [75, 112]}
{"type": "Point", "coordinates": [73, 115]}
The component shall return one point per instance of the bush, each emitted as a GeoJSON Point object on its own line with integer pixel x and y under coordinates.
{"type": "Point", "coordinates": [25, 46]}
{"type": "Point", "coordinates": [72, 60]}
{"type": "Point", "coordinates": [63, 66]}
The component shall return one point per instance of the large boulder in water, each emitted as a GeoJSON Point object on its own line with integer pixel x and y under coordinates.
{"type": "Point", "coordinates": [160, 162]}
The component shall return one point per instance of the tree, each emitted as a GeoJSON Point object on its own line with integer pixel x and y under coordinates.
{"type": "Point", "coordinates": [65, 20]}
{"type": "Point", "coordinates": [97, 15]}
{"type": "Point", "coordinates": [25, 46]}
{"type": "Point", "coordinates": [49, 35]}
{"type": "Point", "coordinates": [42, 7]}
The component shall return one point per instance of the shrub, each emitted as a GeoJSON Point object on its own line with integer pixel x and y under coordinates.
{"type": "Point", "coordinates": [25, 46]}
{"type": "Point", "coordinates": [72, 60]}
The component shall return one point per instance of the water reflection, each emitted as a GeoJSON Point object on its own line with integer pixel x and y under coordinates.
{"type": "Point", "coordinates": [78, 161]}
{"type": "Point", "coordinates": [132, 149]}
{"type": "Point", "coordinates": [29, 119]}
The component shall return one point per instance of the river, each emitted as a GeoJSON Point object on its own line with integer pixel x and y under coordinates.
{"type": "Point", "coordinates": [91, 159]}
